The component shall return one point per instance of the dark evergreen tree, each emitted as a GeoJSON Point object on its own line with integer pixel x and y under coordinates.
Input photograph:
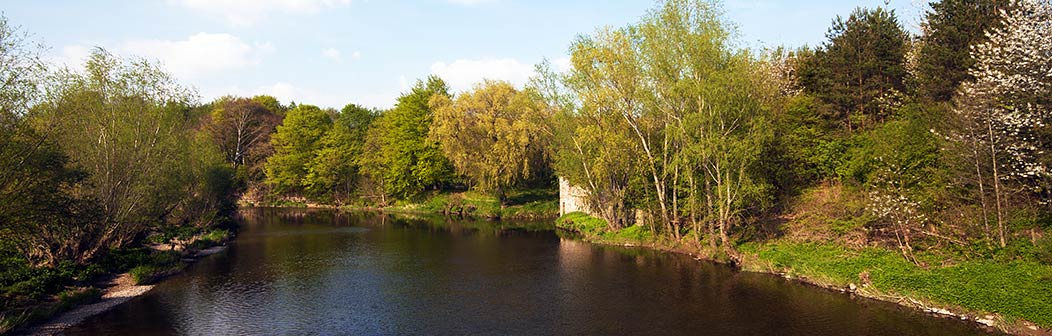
{"type": "Point", "coordinates": [950, 27]}
{"type": "Point", "coordinates": [861, 68]}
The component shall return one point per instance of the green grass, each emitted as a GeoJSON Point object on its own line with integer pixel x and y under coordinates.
{"type": "Point", "coordinates": [583, 223]}
{"type": "Point", "coordinates": [212, 238]}
{"type": "Point", "coordinates": [1018, 289]}
{"type": "Point", "coordinates": [520, 204]}
{"type": "Point", "coordinates": [596, 229]}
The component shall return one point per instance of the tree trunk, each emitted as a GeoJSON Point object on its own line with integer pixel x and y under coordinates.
{"type": "Point", "coordinates": [982, 189]}
{"type": "Point", "coordinates": [997, 185]}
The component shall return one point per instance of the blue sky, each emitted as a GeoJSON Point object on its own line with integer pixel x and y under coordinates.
{"type": "Point", "coordinates": [334, 52]}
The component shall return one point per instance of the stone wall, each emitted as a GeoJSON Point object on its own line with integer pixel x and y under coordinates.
{"type": "Point", "coordinates": [572, 198]}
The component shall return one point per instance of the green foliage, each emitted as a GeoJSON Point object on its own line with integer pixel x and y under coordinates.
{"type": "Point", "coordinates": [861, 70]}
{"type": "Point", "coordinates": [1044, 250]}
{"type": "Point", "coordinates": [158, 265]}
{"type": "Point", "coordinates": [636, 233]}
{"type": "Point", "coordinates": [402, 160]}
{"type": "Point", "coordinates": [332, 174]}
{"type": "Point", "coordinates": [807, 138]}
{"type": "Point", "coordinates": [74, 297]}
{"type": "Point", "coordinates": [295, 143]}
{"type": "Point", "coordinates": [521, 204]}
{"type": "Point", "coordinates": [271, 104]}
{"type": "Point", "coordinates": [593, 228]}
{"type": "Point", "coordinates": [210, 239]}
{"type": "Point", "coordinates": [951, 27]}
{"type": "Point", "coordinates": [532, 209]}
{"type": "Point", "coordinates": [493, 135]}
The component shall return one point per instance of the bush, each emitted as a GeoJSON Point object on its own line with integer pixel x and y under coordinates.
{"type": "Point", "coordinates": [74, 297]}
{"type": "Point", "coordinates": [1044, 250]}
{"type": "Point", "coordinates": [144, 274]}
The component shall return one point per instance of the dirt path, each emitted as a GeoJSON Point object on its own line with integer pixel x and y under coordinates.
{"type": "Point", "coordinates": [121, 290]}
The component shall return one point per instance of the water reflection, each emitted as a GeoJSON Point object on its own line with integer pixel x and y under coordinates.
{"type": "Point", "coordinates": [326, 272]}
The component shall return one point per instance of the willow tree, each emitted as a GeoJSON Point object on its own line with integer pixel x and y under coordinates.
{"type": "Point", "coordinates": [491, 134]}
{"type": "Point", "coordinates": [40, 215]}
{"type": "Point", "coordinates": [124, 123]}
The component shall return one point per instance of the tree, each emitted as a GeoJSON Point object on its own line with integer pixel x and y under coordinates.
{"type": "Point", "coordinates": [1006, 110]}
{"type": "Point", "coordinates": [490, 134]}
{"type": "Point", "coordinates": [295, 144]}
{"type": "Point", "coordinates": [400, 156]}
{"type": "Point", "coordinates": [333, 172]}
{"type": "Point", "coordinates": [239, 126]}
{"type": "Point", "coordinates": [950, 28]}
{"type": "Point", "coordinates": [904, 156]}
{"type": "Point", "coordinates": [123, 122]}
{"type": "Point", "coordinates": [596, 148]}
{"type": "Point", "coordinates": [861, 66]}
{"type": "Point", "coordinates": [271, 104]}
{"type": "Point", "coordinates": [40, 216]}
{"type": "Point", "coordinates": [667, 112]}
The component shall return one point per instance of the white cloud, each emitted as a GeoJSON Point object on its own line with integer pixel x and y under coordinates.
{"type": "Point", "coordinates": [200, 54]}
{"type": "Point", "coordinates": [72, 56]}
{"type": "Point", "coordinates": [249, 12]}
{"type": "Point", "coordinates": [284, 91]}
{"type": "Point", "coordinates": [562, 64]}
{"type": "Point", "coordinates": [463, 73]}
{"type": "Point", "coordinates": [356, 55]}
{"type": "Point", "coordinates": [332, 54]}
{"type": "Point", "coordinates": [403, 83]}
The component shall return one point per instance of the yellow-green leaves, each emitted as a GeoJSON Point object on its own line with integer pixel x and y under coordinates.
{"type": "Point", "coordinates": [492, 135]}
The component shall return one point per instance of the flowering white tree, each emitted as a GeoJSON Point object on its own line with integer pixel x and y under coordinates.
{"type": "Point", "coordinates": [1007, 106]}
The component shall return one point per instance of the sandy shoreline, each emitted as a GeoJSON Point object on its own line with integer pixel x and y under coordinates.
{"type": "Point", "coordinates": [120, 289]}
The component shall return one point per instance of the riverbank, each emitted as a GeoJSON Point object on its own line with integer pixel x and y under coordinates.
{"type": "Point", "coordinates": [531, 204]}
{"type": "Point", "coordinates": [1010, 297]}
{"type": "Point", "coordinates": [135, 273]}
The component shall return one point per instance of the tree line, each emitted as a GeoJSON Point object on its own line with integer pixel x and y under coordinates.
{"type": "Point", "coordinates": [667, 123]}
{"type": "Point", "coordinates": [942, 136]}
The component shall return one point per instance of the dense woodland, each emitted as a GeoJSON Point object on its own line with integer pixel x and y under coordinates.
{"type": "Point", "coordinates": [937, 141]}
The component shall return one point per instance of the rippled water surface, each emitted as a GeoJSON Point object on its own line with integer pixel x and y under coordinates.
{"type": "Point", "coordinates": [329, 273]}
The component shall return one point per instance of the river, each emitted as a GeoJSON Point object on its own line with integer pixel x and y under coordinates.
{"type": "Point", "coordinates": [323, 272]}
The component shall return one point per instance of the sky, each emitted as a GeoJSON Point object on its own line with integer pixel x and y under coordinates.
{"type": "Point", "coordinates": [334, 52]}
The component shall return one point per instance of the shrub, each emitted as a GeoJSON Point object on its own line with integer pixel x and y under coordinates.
{"type": "Point", "coordinates": [1044, 250]}
{"type": "Point", "coordinates": [74, 297]}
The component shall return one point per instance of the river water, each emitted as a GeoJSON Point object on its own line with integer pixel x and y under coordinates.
{"type": "Point", "coordinates": [318, 272]}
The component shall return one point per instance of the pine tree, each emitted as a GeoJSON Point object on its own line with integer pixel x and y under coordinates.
{"type": "Point", "coordinates": [950, 27]}
{"type": "Point", "coordinates": [861, 67]}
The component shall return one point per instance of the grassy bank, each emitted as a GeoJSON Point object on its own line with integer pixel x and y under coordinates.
{"type": "Point", "coordinates": [30, 295]}
{"type": "Point", "coordinates": [520, 204]}
{"type": "Point", "coordinates": [1014, 293]}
